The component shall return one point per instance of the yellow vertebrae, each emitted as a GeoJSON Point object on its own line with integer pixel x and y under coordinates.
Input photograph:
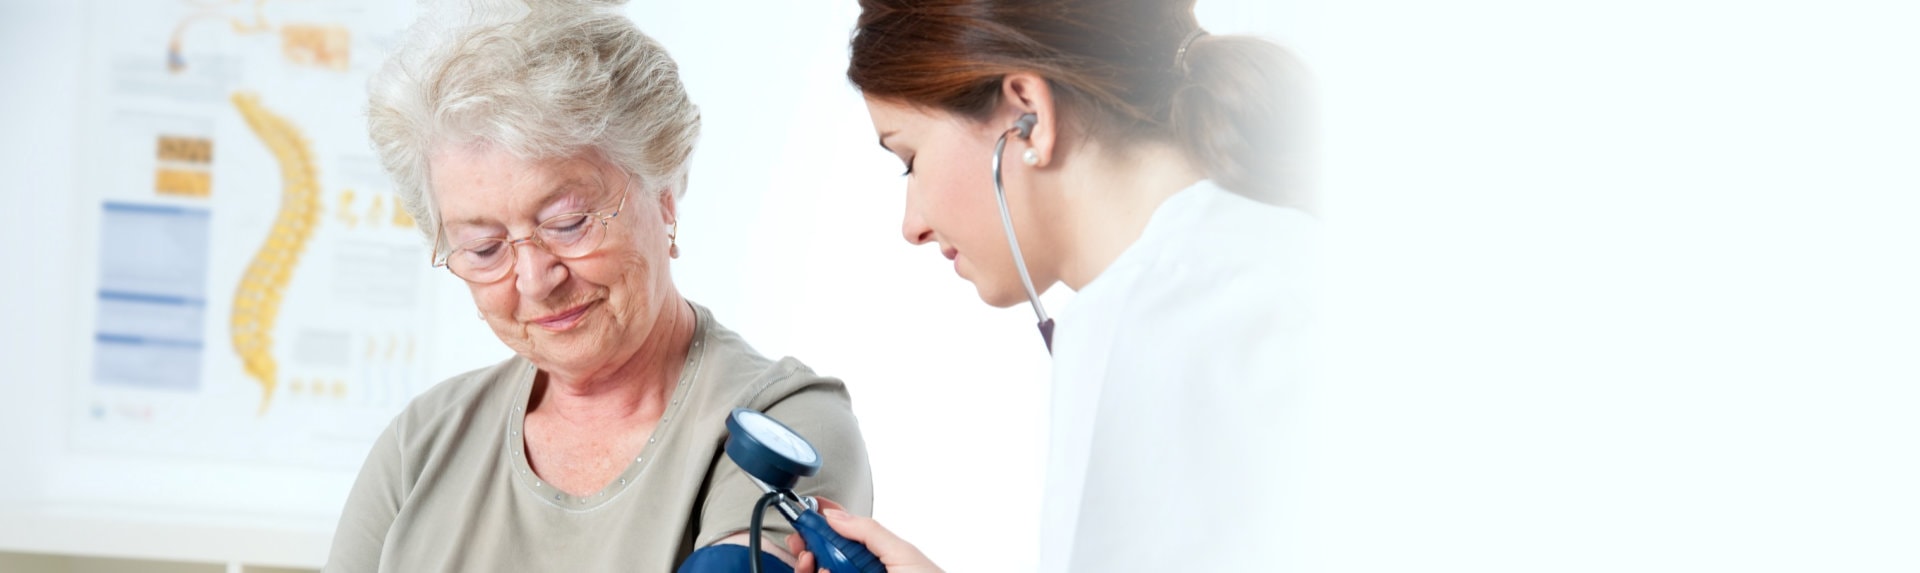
{"type": "Point", "coordinates": [257, 302]}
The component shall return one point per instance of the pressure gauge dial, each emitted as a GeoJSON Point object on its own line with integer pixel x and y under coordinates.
{"type": "Point", "coordinates": [768, 450]}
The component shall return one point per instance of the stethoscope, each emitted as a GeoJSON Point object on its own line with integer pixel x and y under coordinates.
{"type": "Point", "coordinates": [1024, 128]}
{"type": "Point", "coordinates": [775, 457]}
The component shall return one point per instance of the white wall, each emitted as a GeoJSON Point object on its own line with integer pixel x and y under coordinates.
{"type": "Point", "coordinates": [39, 53]}
{"type": "Point", "coordinates": [1623, 286]}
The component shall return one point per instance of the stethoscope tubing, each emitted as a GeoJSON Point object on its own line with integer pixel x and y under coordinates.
{"type": "Point", "coordinates": [1019, 261]}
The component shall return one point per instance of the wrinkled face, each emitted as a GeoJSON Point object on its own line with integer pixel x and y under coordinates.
{"type": "Point", "coordinates": [950, 199]}
{"type": "Point", "coordinates": [586, 313]}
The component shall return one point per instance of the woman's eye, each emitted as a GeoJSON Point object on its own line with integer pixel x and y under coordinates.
{"type": "Point", "coordinates": [479, 256]}
{"type": "Point", "coordinates": [568, 224]}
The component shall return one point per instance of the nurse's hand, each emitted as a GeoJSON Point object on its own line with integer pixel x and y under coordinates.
{"type": "Point", "coordinates": [894, 552]}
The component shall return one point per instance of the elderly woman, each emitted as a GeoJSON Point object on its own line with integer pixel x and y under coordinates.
{"type": "Point", "coordinates": [546, 156]}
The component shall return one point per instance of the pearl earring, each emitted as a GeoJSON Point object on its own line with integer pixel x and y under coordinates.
{"type": "Point", "coordinates": [1031, 157]}
{"type": "Point", "coordinates": [673, 242]}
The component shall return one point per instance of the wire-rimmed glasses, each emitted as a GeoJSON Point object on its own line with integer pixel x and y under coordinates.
{"type": "Point", "coordinates": [568, 236]}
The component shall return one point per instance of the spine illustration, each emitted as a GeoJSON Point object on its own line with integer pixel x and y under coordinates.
{"type": "Point", "coordinates": [256, 303]}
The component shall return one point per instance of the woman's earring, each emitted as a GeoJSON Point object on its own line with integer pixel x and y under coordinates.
{"type": "Point", "coordinates": [1031, 157]}
{"type": "Point", "coordinates": [673, 242]}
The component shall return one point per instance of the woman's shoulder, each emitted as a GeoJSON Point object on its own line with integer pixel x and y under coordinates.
{"type": "Point", "coordinates": [735, 374]}
{"type": "Point", "coordinates": [1211, 265]}
{"type": "Point", "coordinates": [1207, 215]}
{"type": "Point", "coordinates": [1202, 241]}
{"type": "Point", "coordinates": [454, 402]}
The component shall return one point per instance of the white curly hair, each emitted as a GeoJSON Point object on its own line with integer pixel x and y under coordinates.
{"type": "Point", "coordinates": [541, 79]}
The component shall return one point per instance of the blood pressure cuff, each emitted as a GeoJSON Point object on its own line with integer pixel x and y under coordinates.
{"type": "Point", "coordinates": [730, 559]}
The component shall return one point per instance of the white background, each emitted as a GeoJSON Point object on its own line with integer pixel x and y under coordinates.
{"type": "Point", "coordinates": [1618, 286]}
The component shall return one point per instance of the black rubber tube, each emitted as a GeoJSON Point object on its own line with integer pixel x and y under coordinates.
{"type": "Point", "coordinates": [753, 529]}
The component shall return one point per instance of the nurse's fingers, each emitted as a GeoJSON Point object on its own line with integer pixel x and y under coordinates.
{"type": "Point", "coordinates": [795, 544]}
{"type": "Point", "coordinates": [897, 554]}
{"type": "Point", "coordinates": [803, 561]}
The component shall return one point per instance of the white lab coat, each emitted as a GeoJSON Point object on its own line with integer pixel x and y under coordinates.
{"type": "Point", "coordinates": [1173, 382]}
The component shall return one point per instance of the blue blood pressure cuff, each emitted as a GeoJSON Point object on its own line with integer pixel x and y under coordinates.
{"type": "Point", "coordinates": [730, 559]}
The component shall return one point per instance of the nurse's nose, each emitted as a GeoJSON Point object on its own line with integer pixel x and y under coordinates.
{"type": "Point", "coordinates": [914, 228]}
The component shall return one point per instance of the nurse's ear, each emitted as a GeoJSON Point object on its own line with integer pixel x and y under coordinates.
{"type": "Point", "coordinates": [1027, 93]}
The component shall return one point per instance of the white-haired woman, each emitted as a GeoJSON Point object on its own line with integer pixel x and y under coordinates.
{"type": "Point", "coordinates": [545, 156]}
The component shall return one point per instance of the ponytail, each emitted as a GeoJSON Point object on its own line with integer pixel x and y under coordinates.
{"type": "Point", "coordinates": [1243, 117]}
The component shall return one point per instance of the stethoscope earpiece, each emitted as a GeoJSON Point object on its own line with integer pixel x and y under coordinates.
{"type": "Point", "coordinates": [1024, 125]}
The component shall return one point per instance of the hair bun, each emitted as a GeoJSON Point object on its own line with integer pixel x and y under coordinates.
{"type": "Point", "coordinates": [1246, 116]}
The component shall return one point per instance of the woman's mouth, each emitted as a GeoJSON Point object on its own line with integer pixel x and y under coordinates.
{"type": "Point", "coordinates": [954, 255]}
{"type": "Point", "coordinates": [563, 320]}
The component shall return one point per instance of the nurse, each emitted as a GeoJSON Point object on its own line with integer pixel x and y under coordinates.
{"type": "Point", "coordinates": [1115, 148]}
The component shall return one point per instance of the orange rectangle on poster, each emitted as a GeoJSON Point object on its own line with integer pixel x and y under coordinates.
{"type": "Point", "coordinates": [184, 149]}
{"type": "Point", "coordinates": [317, 45]}
{"type": "Point", "coordinates": [183, 182]}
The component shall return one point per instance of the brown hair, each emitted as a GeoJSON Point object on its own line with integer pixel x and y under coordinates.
{"type": "Point", "coordinates": [1235, 104]}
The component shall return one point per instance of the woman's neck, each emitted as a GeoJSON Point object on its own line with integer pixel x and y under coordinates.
{"type": "Point", "coordinates": [639, 387]}
{"type": "Point", "coordinates": [1105, 202]}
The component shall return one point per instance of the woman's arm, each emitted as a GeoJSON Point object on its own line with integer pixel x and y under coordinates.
{"type": "Point", "coordinates": [371, 507]}
{"type": "Point", "coordinates": [820, 411]}
{"type": "Point", "coordinates": [767, 545]}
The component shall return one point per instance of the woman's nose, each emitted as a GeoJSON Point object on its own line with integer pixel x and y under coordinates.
{"type": "Point", "coordinates": [912, 227]}
{"type": "Point", "coordinates": [536, 271]}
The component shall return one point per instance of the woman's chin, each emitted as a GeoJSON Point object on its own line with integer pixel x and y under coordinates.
{"type": "Point", "coordinates": [1001, 297]}
{"type": "Point", "coordinates": [566, 362]}
{"type": "Point", "coordinates": [565, 353]}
